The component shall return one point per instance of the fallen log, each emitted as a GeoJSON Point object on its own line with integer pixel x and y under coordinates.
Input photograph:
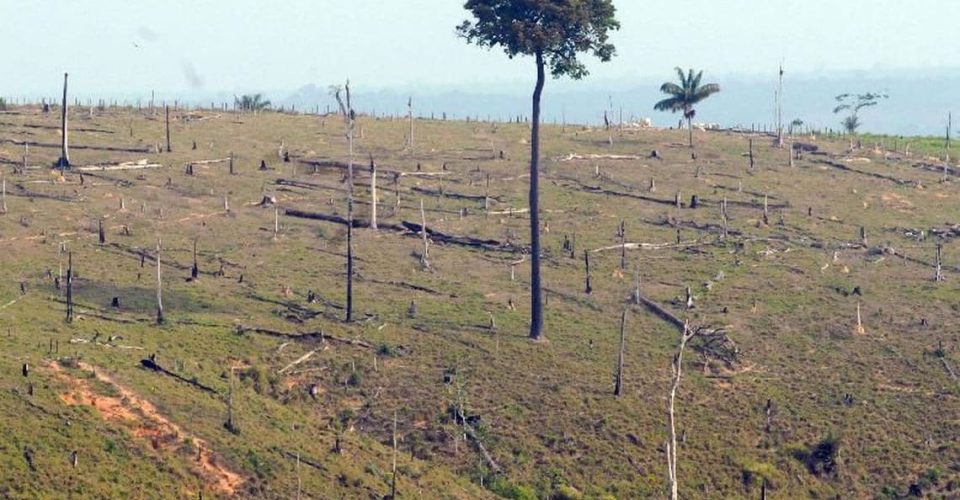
{"type": "Point", "coordinates": [650, 246]}
{"type": "Point", "coordinates": [469, 241]}
{"type": "Point", "coordinates": [412, 228]}
{"type": "Point", "coordinates": [455, 196]}
{"type": "Point", "coordinates": [150, 364]}
{"type": "Point", "coordinates": [576, 156]}
{"type": "Point", "coordinates": [57, 145]}
{"type": "Point", "coordinates": [302, 459]}
{"type": "Point", "coordinates": [662, 313]}
{"type": "Point", "coordinates": [241, 329]}
{"type": "Point", "coordinates": [359, 170]}
{"type": "Point", "coordinates": [840, 166]}
{"type": "Point", "coordinates": [127, 165]}
{"type": "Point", "coordinates": [571, 183]}
{"type": "Point", "coordinates": [207, 162]}
{"type": "Point", "coordinates": [298, 361]}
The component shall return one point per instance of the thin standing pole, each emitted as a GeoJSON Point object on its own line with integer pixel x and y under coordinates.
{"type": "Point", "coordinates": [167, 112]}
{"type": "Point", "coordinates": [64, 162]}
{"type": "Point", "coordinates": [618, 390]}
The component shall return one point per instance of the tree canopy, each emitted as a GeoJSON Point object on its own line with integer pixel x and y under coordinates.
{"type": "Point", "coordinates": [853, 103]}
{"type": "Point", "coordinates": [254, 102]}
{"type": "Point", "coordinates": [686, 94]}
{"type": "Point", "coordinates": [557, 30]}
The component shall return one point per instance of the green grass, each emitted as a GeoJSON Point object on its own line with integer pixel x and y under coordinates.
{"type": "Point", "coordinates": [546, 410]}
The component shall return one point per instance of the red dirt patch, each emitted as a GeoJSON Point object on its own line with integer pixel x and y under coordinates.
{"type": "Point", "coordinates": [151, 426]}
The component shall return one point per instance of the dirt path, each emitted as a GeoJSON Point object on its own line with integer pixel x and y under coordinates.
{"type": "Point", "coordinates": [152, 426]}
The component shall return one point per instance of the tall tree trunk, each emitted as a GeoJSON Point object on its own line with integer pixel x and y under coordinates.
{"type": "Point", "coordinates": [536, 295]}
{"type": "Point", "coordinates": [167, 120]}
{"type": "Point", "coordinates": [690, 129]}
{"type": "Point", "coordinates": [672, 445]}
{"type": "Point", "coordinates": [64, 142]}
{"type": "Point", "coordinates": [349, 312]}
{"type": "Point", "coordinates": [159, 288]}
{"type": "Point", "coordinates": [373, 194]}
{"type": "Point", "coordinates": [618, 390]}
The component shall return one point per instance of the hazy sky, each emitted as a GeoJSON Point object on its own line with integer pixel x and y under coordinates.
{"type": "Point", "coordinates": [133, 46]}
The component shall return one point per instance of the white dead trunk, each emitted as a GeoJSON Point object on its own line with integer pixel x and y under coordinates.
{"type": "Point", "coordinates": [672, 445]}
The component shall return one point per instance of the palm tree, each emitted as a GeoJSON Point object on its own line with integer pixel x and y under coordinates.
{"type": "Point", "coordinates": [684, 96]}
{"type": "Point", "coordinates": [254, 102]}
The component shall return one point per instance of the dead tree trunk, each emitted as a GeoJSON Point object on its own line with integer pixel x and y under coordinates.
{"type": "Point", "coordinates": [159, 288]}
{"type": "Point", "coordinates": [766, 210]}
{"type": "Point", "coordinates": [623, 246]}
{"type": "Point", "coordinates": [671, 413]}
{"type": "Point", "coordinates": [167, 112]}
{"type": "Point", "coordinates": [723, 216]}
{"type": "Point", "coordinates": [373, 194]}
{"type": "Point", "coordinates": [230, 424]}
{"type": "Point", "coordinates": [101, 237]}
{"type": "Point", "coordinates": [231, 163]}
{"type": "Point", "coordinates": [938, 277]}
{"type": "Point", "coordinates": [195, 270]}
{"type": "Point", "coordinates": [636, 286]}
{"type": "Point", "coordinates": [64, 162]}
{"type": "Point", "coordinates": [3, 195]}
{"type": "Point", "coordinates": [586, 261]}
{"type": "Point", "coordinates": [70, 287]}
{"type": "Point", "coordinates": [425, 256]}
{"type": "Point", "coordinates": [410, 117]}
{"type": "Point", "coordinates": [751, 154]}
{"type": "Point", "coordinates": [346, 109]}
{"type": "Point", "coordinates": [393, 478]}
{"type": "Point", "coordinates": [618, 389]}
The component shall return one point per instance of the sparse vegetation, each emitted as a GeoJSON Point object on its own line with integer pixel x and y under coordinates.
{"type": "Point", "coordinates": [851, 104]}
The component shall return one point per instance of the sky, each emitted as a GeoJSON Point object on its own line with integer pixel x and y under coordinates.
{"type": "Point", "coordinates": [206, 46]}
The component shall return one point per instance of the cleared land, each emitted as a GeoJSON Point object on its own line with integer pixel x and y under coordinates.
{"type": "Point", "coordinates": [786, 292]}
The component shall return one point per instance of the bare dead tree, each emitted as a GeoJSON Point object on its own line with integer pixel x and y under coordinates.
{"type": "Point", "coordinates": [425, 255]}
{"type": "Point", "coordinates": [685, 336]}
{"type": "Point", "coordinates": [342, 96]}
{"type": "Point", "coordinates": [101, 236]}
{"type": "Point", "coordinates": [780, 110]}
{"type": "Point", "coordinates": [618, 388]}
{"type": "Point", "coordinates": [393, 477]}
{"type": "Point", "coordinates": [636, 286]}
{"type": "Point", "coordinates": [159, 287]}
{"type": "Point", "coordinates": [623, 245]}
{"type": "Point", "coordinates": [231, 163]}
{"type": "Point", "coordinates": [167, 119]}
{"type": "Point", "coordinates": [195, 269]}
{"type": "Point", "coordinates": [410, 118]}
{"type": "Point", "coordinates": [64, 162]}
{"type": "Point", "coordinates": [373, 194]}
{"type": "Point", "coordinates": [586, 262]}
{"type": "Point", "coordinates": [231, 423]}
{"type": "Point", "coordinates": [938, 277]}
{"type": "Point", "coordinates": [70, 287]}
{"type": "Point", "coordinates": [751, 154]}
{"type": "Point", "coordinates": [723, 216]}
{"type": "Point", "coordinates": [276, 222]}
{"type": "Point", "coordinates": [3, 195]}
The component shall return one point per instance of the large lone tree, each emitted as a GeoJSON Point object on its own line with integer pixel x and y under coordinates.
{"type": "Point", "coordinates": [554, 32]}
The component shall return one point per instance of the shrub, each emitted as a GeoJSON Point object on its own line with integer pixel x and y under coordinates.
{"type": "Point", "coordinates": [506, 489]}
{"type": "Point", "coordinates": [355, 379]}
{"type": "Point", "coordinates": [820, 458]}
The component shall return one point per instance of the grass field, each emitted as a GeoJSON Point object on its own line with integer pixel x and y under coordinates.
{"type": "Point", "coordinates": [544, 411]}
